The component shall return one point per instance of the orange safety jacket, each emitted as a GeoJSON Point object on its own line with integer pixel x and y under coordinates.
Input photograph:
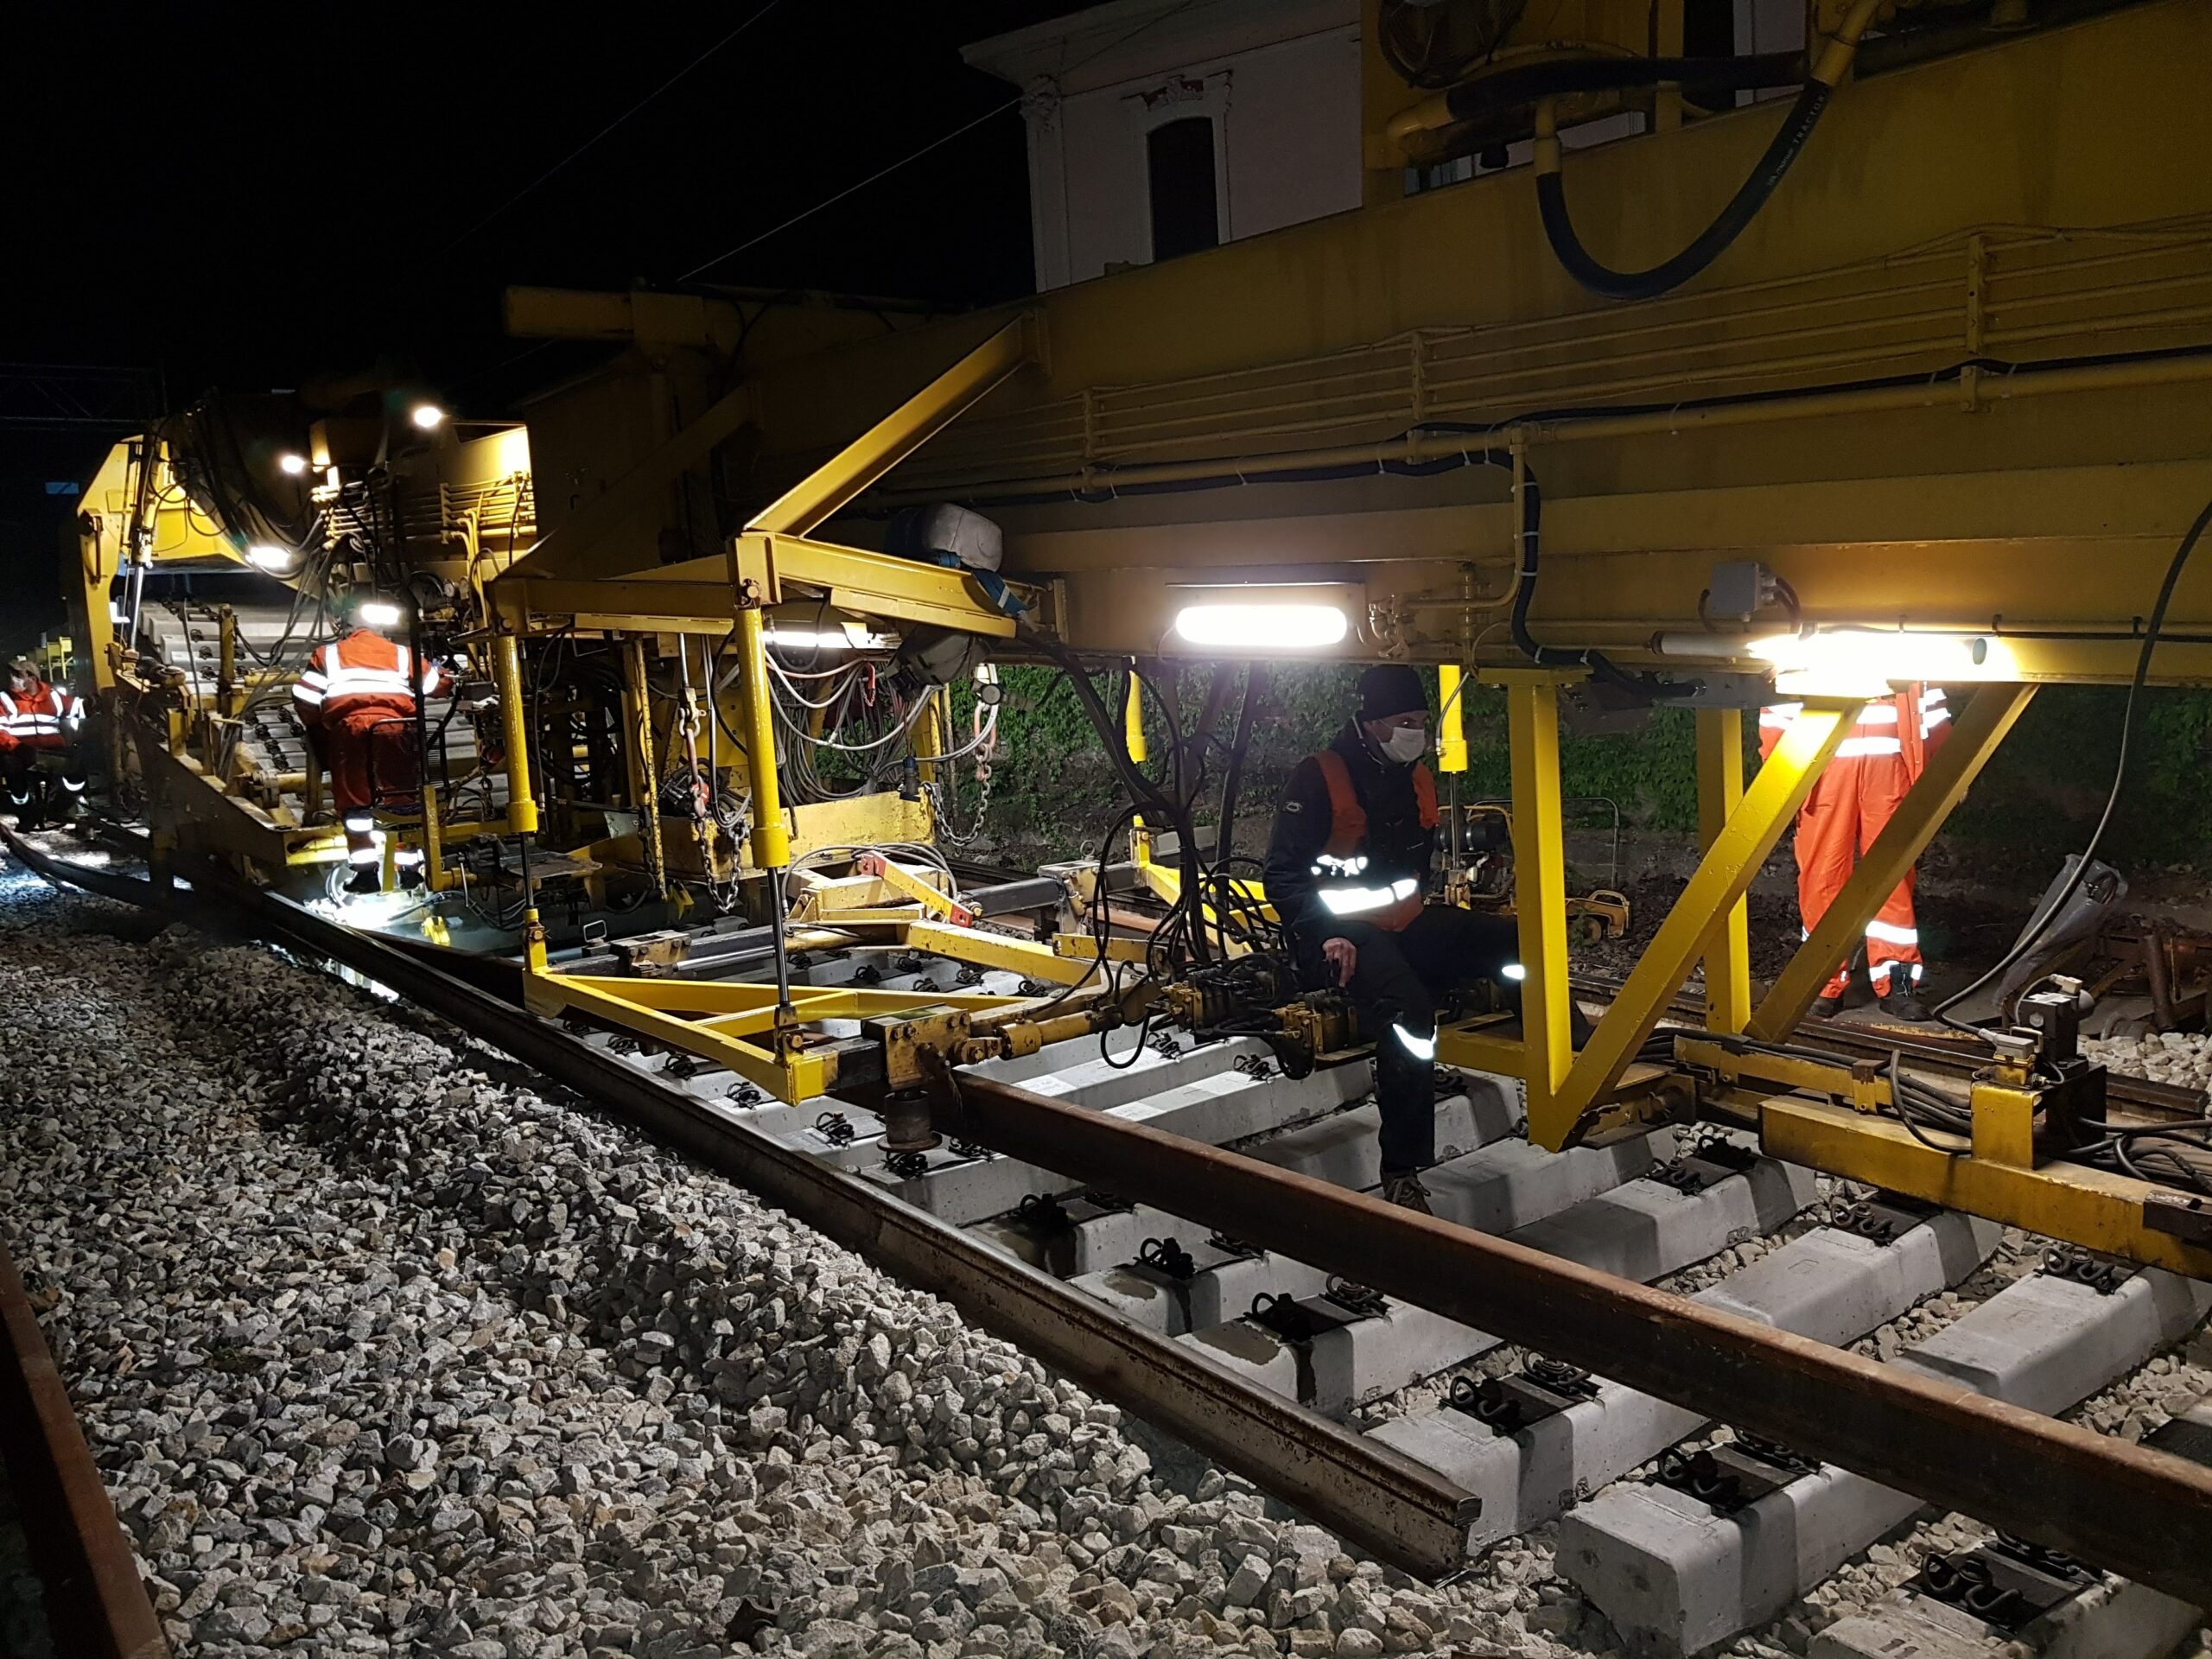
{"type": "Point", "coordinates": [363, 673]}
{"type": "Point", "coordinates": [45, 717]}
{"type": "Point", "coordinates": [1343, 858]}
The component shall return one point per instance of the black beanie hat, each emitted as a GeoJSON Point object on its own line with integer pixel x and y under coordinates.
{"type": "Point", "coordinates": [1390, 689]}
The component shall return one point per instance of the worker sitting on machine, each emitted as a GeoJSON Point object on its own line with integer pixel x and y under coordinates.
{"type": "Point", "coordinates": [356, 698]}
{"type": "Point", "coordinates": [1347, 870]}
{"type": "Point", "coordinates": [42, 762]}
{"type": "Point", "coordinates": [1851, 803]}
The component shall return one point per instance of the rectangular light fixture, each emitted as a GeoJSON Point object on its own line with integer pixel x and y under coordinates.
{"type": "Point", "coordinates": [1263, 626]}
{"type": "Point", "coordinates": [852, 636]}
{"type": "Point", "coordinates": [1865, 662]}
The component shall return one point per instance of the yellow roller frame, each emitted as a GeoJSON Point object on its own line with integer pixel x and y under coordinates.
{"type": "Point", "coordinates": [717, 1021]}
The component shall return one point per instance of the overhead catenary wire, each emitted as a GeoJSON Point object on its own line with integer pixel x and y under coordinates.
{"type": "Point", "coordinates": [754, 16]}
{"type": "Point", "coordinates": [934, 145]}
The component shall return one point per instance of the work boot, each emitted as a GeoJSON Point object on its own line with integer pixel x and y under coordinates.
{"type": "Point", "coordinates": [1407, 1193]}
{"type": "Point", "coordinates": [1900, 1002]}
{"type": "Point", "coordinates": [1827, 1008]}
{"type": "Point", "coordinates": [365, 879]}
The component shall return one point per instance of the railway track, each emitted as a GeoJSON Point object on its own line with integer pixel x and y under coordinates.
{"type": "Point", "coordinates": [1135, 1271]}
{"type": "Point", "coordinates": [95, 1604]}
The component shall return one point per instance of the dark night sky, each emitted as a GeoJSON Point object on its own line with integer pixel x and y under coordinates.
{"type": "Point", "coordinates": [245, 198]}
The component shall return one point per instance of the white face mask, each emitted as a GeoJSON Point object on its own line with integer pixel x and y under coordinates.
{"type": "Point", "coordinates": [1406, 744]}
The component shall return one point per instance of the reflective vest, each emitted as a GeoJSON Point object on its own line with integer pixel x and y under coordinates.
{"type": "Point", "coordinates": [1909, 724]}
{"type": "Point", "coordinates": [46, 717]}
{"type": "Point", "coordinates": [1344, 858]}
{"type": "Point", "coordinates": [363, 673]}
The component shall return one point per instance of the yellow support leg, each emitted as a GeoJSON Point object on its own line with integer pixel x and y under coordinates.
{"type": "Point", "coordinates": [1720, 792]}
{"type": "Point", "coordinates": [1451, 722]}
{"type": "Point", "coordinates": [1722, 875]}
{"type": "Point", "coordinates": [772, 843]}
{"type": "Point", "coordinates": [514, 731]}
{"type": "Point", "coordinates": [1540, 888]}
{"type": "Point", "coordinates": [1132, 731]}
{"type": "Point", "coordinates": [1974, 739]}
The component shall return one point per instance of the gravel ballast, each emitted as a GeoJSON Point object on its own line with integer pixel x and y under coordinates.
{"type": "Point", "coordinates": [383, 1351]}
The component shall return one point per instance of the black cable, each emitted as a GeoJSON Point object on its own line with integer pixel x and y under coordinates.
{"type": "Point", "coordinates": [2151, 631]}
{"type": "Point", "coordinates": [1710, 243]}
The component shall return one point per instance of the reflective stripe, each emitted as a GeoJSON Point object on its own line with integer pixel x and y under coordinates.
{"type": "Point", "coordinates": [358, 823]}
{"type": "Point", "coordinates": [1878, 714]}
{"type": "Point", "coordinates": [1421, 1048]}
{"type": "Point", "coordinates": [1862, 746]}
{"type": "Point", "coordinates": [1780, 714]}
{"type": "Point", "coordinates": [407, 858]}
{"type": "Point", "coordinates": [1892, 934]}
{"type": "Point", "coordinates": [73, 787]}
{"type": "Point", "coordinates": [1932, 718]}
{"type": "Point", "coordinates": [1880, 976]}
{"type": "Point", "coordinates": [1356, 901]}
{"type": "Point", "coordinates": [361, 857]}
{"type": "Point", "coordinates": [1935, 699]}
{"type": "Point", "coordinates": [301, 694]}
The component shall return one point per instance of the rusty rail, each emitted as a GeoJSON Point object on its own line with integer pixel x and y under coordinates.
{"type": "Point", "coordinates": [1392, 1506]}
{"type": "Point", "coordinates": [94, 1601]}
{"type": "Point", "coordinates": [2139, 1512]}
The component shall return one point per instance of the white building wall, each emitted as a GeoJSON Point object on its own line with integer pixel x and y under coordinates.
{"type": "Point", "coordinates": [1280, 81]}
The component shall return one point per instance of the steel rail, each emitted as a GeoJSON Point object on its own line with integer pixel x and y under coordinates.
{"type": "Point", "coordinates": [95, 1602]}
{"type": "Point", "coordinates": [1397, 1508]}
{"type": "Point", "coordinates": [2138, 1512]}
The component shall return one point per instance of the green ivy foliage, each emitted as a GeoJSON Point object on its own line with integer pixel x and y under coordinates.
{"type": "Point", "coordinates": [1054, 790]}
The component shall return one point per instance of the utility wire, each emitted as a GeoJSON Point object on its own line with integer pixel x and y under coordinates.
{"type": "Point", "coordinates": [934, 145]}
{"type": "Point", "coordinates": [851, 189]}
{"type": "Point", "coordinates": [756, 16]}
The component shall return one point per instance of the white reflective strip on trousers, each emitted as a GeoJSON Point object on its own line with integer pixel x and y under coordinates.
{"type": "Point", "coordinates": [1852, 747]}
{"type": "Point", "coordinates": [1932, 719]}
{"type": "Point", "coordinates": [362, 857]}
{"type": "Point", "coordinates": [1891, 934]}
{"type": "Point", "coordinates": [1421, 1048]}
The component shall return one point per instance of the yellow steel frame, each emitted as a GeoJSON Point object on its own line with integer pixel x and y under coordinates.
{"type": "Point", "coordinates": [719, 1021]}
{"type": "Point", "coordinates": [1719, 793]}
{"type": "Point", "coordinates": [1991, 712]}
{"type": "Point", "coordinates": [2093, 1208]}
{"type": "Point", "coordinates": [1565, 1088]}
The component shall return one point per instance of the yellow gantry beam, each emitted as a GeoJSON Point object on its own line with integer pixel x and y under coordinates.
{"type": "Point", "coordinates": [898, 434]}
{"type": "Point", "coordinates": [1975, 736]}
{"type": "Point", "coordinates": [1721, 878]}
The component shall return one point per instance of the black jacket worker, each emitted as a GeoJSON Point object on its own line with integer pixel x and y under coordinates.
{"type": "Point", "coordinates": [1348, 869]}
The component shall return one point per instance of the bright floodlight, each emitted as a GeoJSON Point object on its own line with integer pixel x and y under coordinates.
{"type": "Point", "coordinates": [426, 416]}
{"type": "Point", "coordinates": [1271, 627]}
{"type": "Point", "coordinates": [291, 465]}
{"type": "Point", "coordinates": [1864, 662]}
{"type": "Point", "coordinates": [267, 556]}
{"type": "Point", "coordinates": [378, 614]}
{"type": "Point", "coordinates": [852, 636]}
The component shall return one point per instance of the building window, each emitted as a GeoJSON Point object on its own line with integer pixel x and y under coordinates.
{"type": "Point", "coordinates": [1186, 211]}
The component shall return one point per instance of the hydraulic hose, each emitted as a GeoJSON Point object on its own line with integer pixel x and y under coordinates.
{"type": "Point", "coordinates": [1710, 243]}
{"type": "Point", "coordinates": [1502, 91]}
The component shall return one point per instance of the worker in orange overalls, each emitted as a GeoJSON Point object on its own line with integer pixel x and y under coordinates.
{"type": "Point", "coordinates": [1881, 758]}
{"type": "Point", "coordinates": [39, 721]}
{"type": "Point", "coordinates": [356, 700]}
